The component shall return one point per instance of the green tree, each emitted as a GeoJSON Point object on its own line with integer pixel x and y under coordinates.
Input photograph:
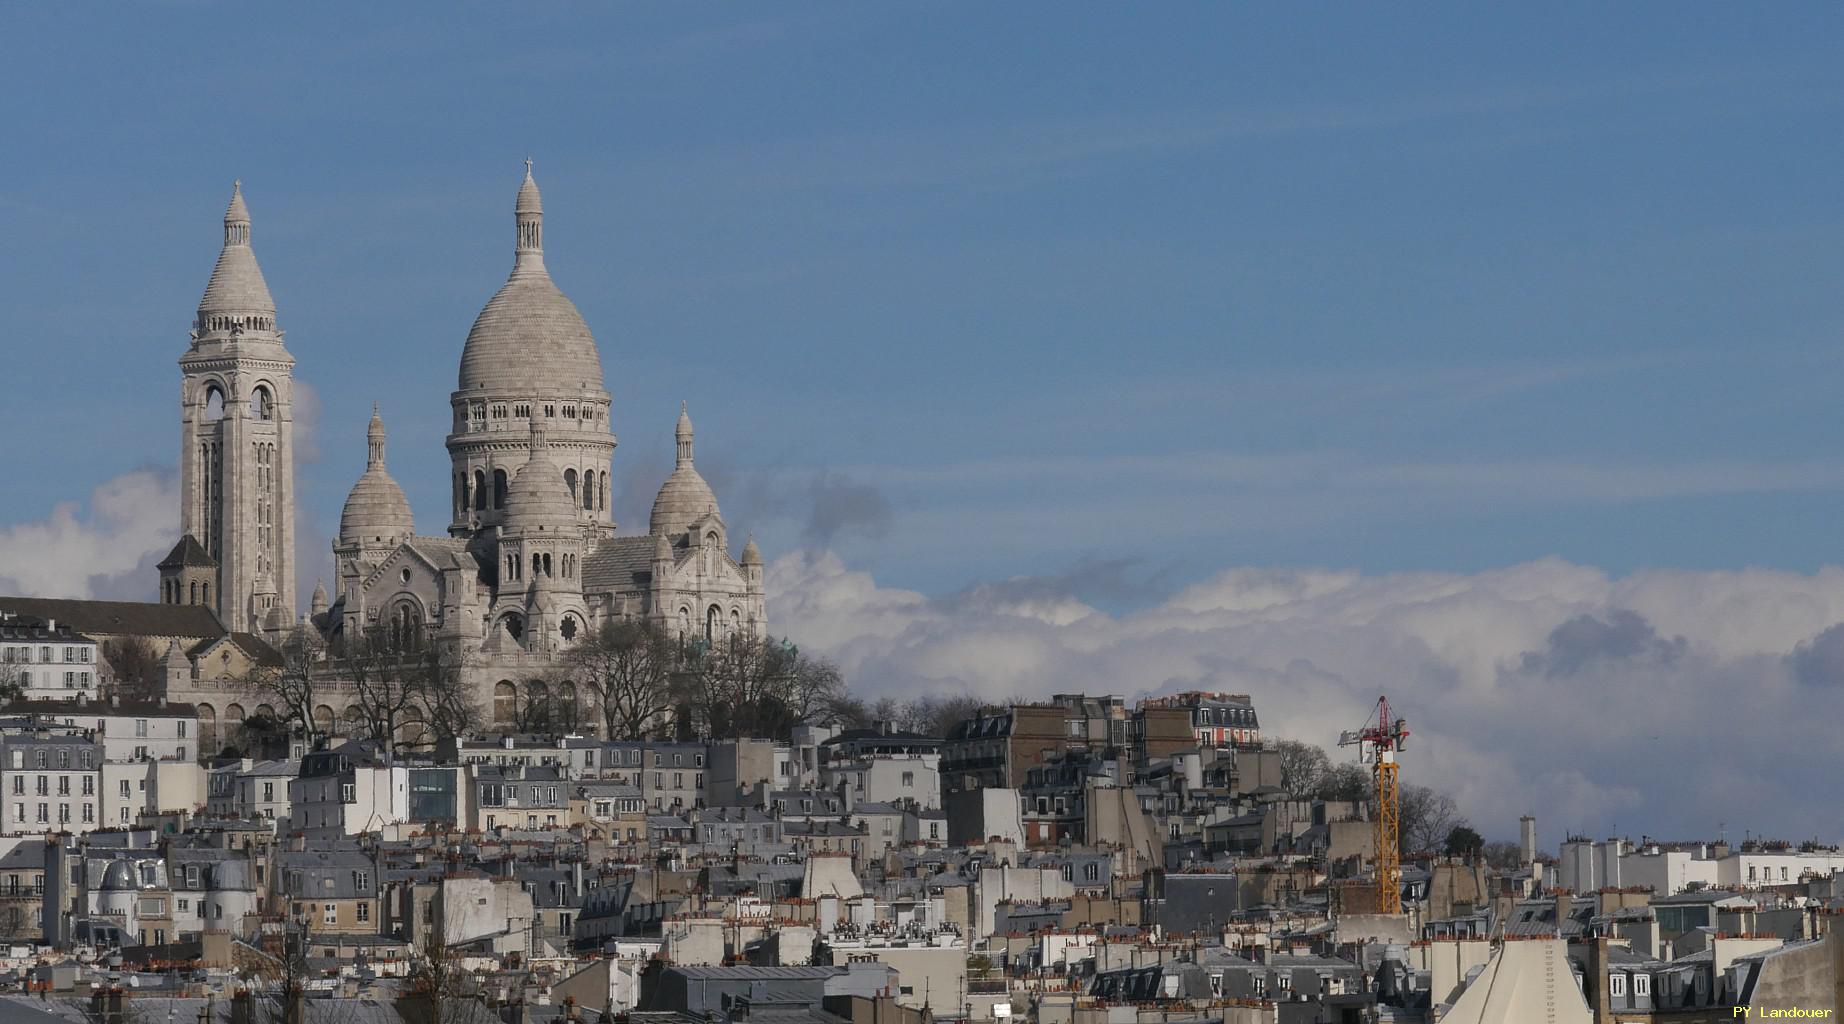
{"type": "Point", "coordinates": [1463, 841]}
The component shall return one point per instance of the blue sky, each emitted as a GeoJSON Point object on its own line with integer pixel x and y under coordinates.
{"type": "Point", "coordinates": [916, 246]}
{"type": "Point", "coordinates": [1114, 298]}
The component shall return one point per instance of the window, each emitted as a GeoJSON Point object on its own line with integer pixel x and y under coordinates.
{"type": "Point", "coordinates": [182, 729]}
{"type": "Point", "coordinates": [268, 791]}
{"type": "Point", "coordinates": [89, 813]}
{"type": "Point", "coordinates": [909, 779]}
{"type": "Point", "coordinates": [364, 912]}
{"type": "Point", "coordinates": [329, 913]}
{"type": "Point", "coordinates": [1616, 985]}
{"type": "Point", "coordinates": [140, 728]}
{"type": "Point", "coordinates": [347, 793]}
{"type": "Point", "coordinates": [125, 790]}
{"type": "Point", "coordinates": [89, 785]}
{"type": "Point", "coordinates": [1642, 985]}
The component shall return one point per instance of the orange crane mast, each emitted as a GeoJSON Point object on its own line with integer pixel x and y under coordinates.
{"type": "Point", "coordinates": [1378, 742]}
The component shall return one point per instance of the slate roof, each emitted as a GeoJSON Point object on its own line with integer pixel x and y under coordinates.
{"type": "Point", "coordinates": [121, 618]}
{"type": "Point", "coordinates": [187, 552]}
{"type": "Point", "coordinates": [254, 647]}
{"type": "Point", "coordinates": [619, 564]}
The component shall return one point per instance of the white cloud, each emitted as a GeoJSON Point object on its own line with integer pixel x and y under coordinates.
{"type": "Point", "coordinates": [106, 551]}
{"type": "Point", "coordinates": [1663, 701]}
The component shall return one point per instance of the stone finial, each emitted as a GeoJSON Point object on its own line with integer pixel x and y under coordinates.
{"type": "Point", "coordinates": [752, 555]}
{"type": "Point", "coordinates": [237, 217]}
{"type": "Point", "coordinates": [374, 440]}
{"type": "Point", "coordinates": [528, 211]}
{"type": "Point", "coordinates": [683, 434]}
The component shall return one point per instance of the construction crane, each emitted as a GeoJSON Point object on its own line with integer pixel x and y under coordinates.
{"type": "Point", "coordinates": [1377, 742]}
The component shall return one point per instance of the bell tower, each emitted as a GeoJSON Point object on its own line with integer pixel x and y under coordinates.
{"type": "Point", "coordinates": [237, 440]}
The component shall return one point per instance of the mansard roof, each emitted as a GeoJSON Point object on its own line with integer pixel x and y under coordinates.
{"type": "Point", "coordinates": [121, 618]}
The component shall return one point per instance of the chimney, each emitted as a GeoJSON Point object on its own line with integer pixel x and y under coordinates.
{"type": "Point", "coordinates": [1563, 902]}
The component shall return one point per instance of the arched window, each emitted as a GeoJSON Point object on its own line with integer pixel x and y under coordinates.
{"type": "Point", "coordinates": [589, 491]}
{"type": "Point", "coordinates": [569, 480]}
{"type": "Point", "coordinates": [602, 499]}
{"type": "Point", "coordinates": [205, 593]}
{"type": "Point", "coordinates": [505, 704]}
{"type": "Point", "coordinates": [713, 620]}
{"type": "Point", "coordinates": [569, 627]}
{"type": "Point", "coordinates": [413, 731]}
{"type": "Point", "coordinates": [207, 729]}
{"type": "Point", "coordinates": [684, 622]}
{"type": "Point", "coordinates": [194, 599]}
{"type": "Point", "coordinates": [461, 495]}
{"type": "Point", "coordinates": [214, 403]}
{"type": "Point", "coordinates": [736, 622]}
{"type": "Point", "coordinates": [262, 404]}
{"type": "Point", "coordinates": [405, 626]}
{"type": "Point", "coordinates": [499, 488]}
{"type": "Point", "coordinates": [323, 720]}
{"type": "Point", "coordinates": [538, 709]}
{"type": "Point", "coordinates": [547, 563]}
{"type": "Point", "coordinates": [537, 564]}
{"type": "Point", "coordinates": [566, 705]}
{"type": "Point", "coordinates": [480, 490]}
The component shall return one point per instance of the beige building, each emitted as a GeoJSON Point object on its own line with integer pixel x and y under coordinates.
{"type": "Point", "coordinates": [531, 562]}
{"type": "Point", "coordinates": [236, 456]}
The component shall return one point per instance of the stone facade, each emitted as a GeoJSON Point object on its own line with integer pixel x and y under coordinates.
{"type": "Point", "coordinates": [236, 449]}
{"type": "Point", "coordinates": [531, 562]}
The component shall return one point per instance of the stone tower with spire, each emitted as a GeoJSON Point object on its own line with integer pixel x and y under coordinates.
{"type": "Point", "coordinates": [237, 442]}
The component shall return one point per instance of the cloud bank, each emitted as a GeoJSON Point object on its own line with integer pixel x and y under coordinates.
{"type": "Point", "coordinates": [1664, 702]}
{"type": "Point", "coordinates": [107, 551]}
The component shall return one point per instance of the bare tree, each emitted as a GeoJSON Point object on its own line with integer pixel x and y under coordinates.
{"type": "Point", "coordinates": [440, 984]}
{"type": "Point", "coordinates": [1428, 817]}
{"type": "Point", "coordinates": [441, 698]}
{"type": "Point", "coordinates": [1504, 856]}
{"type": "Point", "coordinates": [11, 686]}
{"type": "Point", "coordinates": [1303, 767]}
{"type": "Point", "coordinates": [136, 667]}
{"type": "Point", "coordinates": [937, 716]}
{"type": "Point", "coordinates": [1344, 781]}
{"type": "Point", "coordinates": [627, 668]}
{"type": "Point", "coordinates": [388, 681]}
{"type": "Point", "coordinates": [297, 686]}
{"type": "Point", "coordinates": [745, 686]}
